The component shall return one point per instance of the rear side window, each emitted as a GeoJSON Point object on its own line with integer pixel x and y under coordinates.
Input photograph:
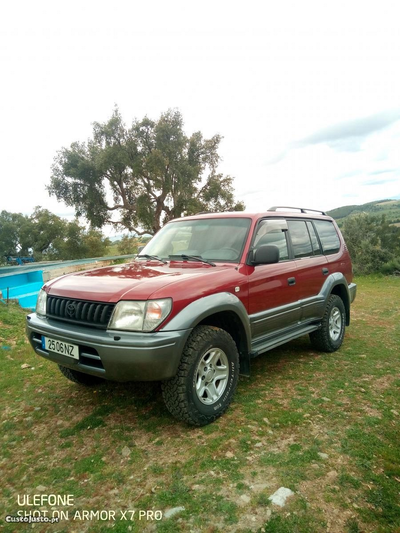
{"type": "Point", "coordinates": [300, 238]}
{"type": "Point", "coordinates": [314, 241]}
{"type": "Point", "coordinates": [328, 236]}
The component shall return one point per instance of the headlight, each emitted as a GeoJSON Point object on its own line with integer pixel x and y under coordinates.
{"type": "Point", "coordinates": [140, 316]}
{"type": "Point", "coordinates": [41, 303]}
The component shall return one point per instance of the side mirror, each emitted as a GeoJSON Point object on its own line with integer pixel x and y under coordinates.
{"type": "Point", "coordinates": [265, 255]}
{"type": "Point", "coordinates": [140, 248]}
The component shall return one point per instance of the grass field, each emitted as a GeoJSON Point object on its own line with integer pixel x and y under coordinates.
{"type": "Point", "coordinates": [325, 426]}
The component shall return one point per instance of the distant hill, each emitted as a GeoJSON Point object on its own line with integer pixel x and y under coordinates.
{"type": "Point", "coordinates": [388, 207]}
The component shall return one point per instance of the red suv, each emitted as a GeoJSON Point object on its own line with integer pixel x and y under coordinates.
{"type": "Point", "coordinates": [206, 295]}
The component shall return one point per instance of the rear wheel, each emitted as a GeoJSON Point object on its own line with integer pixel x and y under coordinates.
{"type": "Point", "coordinates": [329, 337]}
{"type": "Point", "coordinates": [80, 377]}
{"type": "Point", "coordinates": [207, 377]}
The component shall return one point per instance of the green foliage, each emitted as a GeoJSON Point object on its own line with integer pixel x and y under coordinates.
{"type": "Point", "coordinates": [352, 526]}
{"type": "Point", "coordinates": [389, 208]}
{"type": "Point", "coordinates": [127, 245]}
{"type": "Point", "coordinates": [11, 225]}
{"type": "Point", "coordinates": [41, 232]}
{"type": "Point", "coordinates": [71, 244]}
{"type": "Point", "coordinates": [373, 243]}
{"type": "Point", "coordinates": [46, 236]}
{"type": "Point", "coordinates": [95, 244]}
{"type": "Point", "coordinates": [149, 173]}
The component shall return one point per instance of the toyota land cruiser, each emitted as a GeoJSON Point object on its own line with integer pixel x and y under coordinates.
{"type": "Point", "coordinates": [206, 295]}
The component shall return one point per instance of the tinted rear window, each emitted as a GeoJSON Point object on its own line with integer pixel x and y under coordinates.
{"type": "Point", "coordinates": [328, 236]}
{"type": "Point", "coordinates": [315, 244]}
{"type": "Point", "coordinates": [300, 238]}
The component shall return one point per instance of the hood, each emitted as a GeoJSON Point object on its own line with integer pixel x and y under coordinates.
{"type": "Point", "coordinates": [131, 281]}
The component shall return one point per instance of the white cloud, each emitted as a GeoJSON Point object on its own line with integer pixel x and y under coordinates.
{"type": "Point", "coordinates": [261, 74]}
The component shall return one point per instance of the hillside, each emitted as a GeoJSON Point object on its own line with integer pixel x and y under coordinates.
{"type": "Point", "coordinates": [388, 207]}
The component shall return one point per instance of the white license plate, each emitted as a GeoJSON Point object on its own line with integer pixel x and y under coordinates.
{"type": "Point", "coordinates": [60, 347]}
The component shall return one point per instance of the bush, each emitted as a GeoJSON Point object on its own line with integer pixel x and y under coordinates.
{"type": "Point", "coordinates": [373, 243]}
{"type": "Point", "coordinates": [128, 245]}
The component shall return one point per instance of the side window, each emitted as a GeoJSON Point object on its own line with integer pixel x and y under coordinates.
{"type": "Point", "coordinates": [314, 240]}
{"type": "Point", "coordinates": [300, 238]}
{"type": "Point", "coordinates": [328, 236]}
{"type": "Point", "coordinates": [273, 232]}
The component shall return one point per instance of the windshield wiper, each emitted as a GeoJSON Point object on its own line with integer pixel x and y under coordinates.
{"type": "Point", "coordinates": [155, 257]}
{"type": "Point", "coordinates": [193, 258]}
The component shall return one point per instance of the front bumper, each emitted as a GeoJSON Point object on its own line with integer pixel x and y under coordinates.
{"type": "Point", "coordinates": [116, 356]}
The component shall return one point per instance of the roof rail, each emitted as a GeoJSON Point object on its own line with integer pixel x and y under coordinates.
{"type": "Point", "coordinates": [301, 209]}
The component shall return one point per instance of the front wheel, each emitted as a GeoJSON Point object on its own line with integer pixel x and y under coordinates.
{"type": "Point", "coordinates": [329, 337]}
{"type": "Point", "coordinates": [207, 377]}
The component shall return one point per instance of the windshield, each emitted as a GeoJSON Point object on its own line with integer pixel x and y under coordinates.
{"type": "Point", "coordinates": [215, 239]}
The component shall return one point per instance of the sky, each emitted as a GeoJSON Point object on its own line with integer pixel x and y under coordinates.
{"type": "Point", "coordinates": [305, 94]}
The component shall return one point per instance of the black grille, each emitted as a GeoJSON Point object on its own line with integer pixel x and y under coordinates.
{"type": "Point", "coordinates": [93, 314]}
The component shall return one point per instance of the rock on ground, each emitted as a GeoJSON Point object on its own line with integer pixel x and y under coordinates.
{"type": "Point", "coordinates": [172, 512]}
{"type": "Point", "coordinates": [280, 496]}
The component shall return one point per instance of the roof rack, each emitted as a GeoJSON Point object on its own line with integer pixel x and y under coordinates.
{"type": "Point", "coordinates": [301, 209]}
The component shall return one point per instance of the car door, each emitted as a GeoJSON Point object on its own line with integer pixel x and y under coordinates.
{"type": "Point", "coordinates": [273, 295]}
{"type": "Point", "coordinates": [311, 267]}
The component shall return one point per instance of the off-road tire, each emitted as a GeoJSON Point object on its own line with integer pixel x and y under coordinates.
{"type": "Point", "coordinates": [182, 394]}
{"type": "Point", "coordinates": [80, 377]}
{"type": "Point", "coordinates": [329, 337]}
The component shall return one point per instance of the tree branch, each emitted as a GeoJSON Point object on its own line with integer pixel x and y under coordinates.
{"type": "Point", "coordinates": [120, 223]}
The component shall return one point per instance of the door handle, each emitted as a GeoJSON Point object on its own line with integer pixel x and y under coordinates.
{"type": "Point", "coordinates": [325, 271]}
{"type": "Point", "coordinates": [291, 281]}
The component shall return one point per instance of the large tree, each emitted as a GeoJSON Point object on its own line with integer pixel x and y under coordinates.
{"type": "Point", "coordinates": [141, 177]}
{"type": "Point", "coordinates": [43, 230]}
{"type": "Point", "coordinates": [11, 225]}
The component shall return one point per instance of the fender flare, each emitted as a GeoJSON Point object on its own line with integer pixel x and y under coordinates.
{"type": "Point", "coordinates": [338, 280]}
{"type": "Point", "coordinates": [199, 310]}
